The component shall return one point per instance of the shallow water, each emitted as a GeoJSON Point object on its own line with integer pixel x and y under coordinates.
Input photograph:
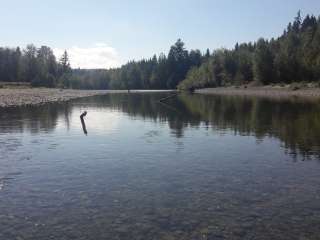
{"type": "Point", "coordinates": [197, 167]}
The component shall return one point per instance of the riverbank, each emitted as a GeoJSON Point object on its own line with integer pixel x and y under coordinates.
{"type": "Point", "coordinates": [35, 96]}
{"type": "Point", "coordinates": [13, 97]}
{"type": "Point", "coordinates": [10, 97]}
{"type": "Point", "coordinates": [264, 91]}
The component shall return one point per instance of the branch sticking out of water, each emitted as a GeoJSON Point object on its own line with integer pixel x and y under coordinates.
{"type": "Point", "coordinates": [84, 128]}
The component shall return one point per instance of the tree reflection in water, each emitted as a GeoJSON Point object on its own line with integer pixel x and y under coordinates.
{"type": "Point", "coordinates": [295, 122]}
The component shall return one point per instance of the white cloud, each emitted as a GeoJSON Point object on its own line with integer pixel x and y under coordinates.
{"type": "Point", "coordinates": [100, 55]}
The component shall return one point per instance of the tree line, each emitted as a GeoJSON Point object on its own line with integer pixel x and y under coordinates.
{"type": "Point", "coordinates": [40, 67]}
{"type": "Point", "coordinates": [162, 72]}
{"type": "Point", "coordinates": [292, 57]}
{"type": "Point", "coordinates": [158, 72]}
{"type": "Point", "coordinates": [37, 66]}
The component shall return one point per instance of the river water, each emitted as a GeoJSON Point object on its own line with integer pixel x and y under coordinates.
{"type": "Point", "coordinates": [194, 167]}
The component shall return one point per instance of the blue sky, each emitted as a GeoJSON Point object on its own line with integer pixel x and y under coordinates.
{"type": "Point", "coordinates": [108, 33]}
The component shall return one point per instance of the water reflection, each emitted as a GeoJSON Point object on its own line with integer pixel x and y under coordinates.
{"type": "Point", "coordinates": [34, 118]}
{"type": "Point", "coordinates": [295, 122]}
{"type": "Point", "coordinates": [196, 167]}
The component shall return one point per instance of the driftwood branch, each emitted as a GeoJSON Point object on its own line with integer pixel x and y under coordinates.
{"type": "Point", "coordinates": [168, 97]}
{"type": "Point", "coordinates": [83, 123]}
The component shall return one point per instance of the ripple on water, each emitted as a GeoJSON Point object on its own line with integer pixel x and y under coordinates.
{"type": "Point", "coordinates": [218, 169]}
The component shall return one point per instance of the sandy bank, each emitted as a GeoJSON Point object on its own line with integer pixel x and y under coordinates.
{"type": "Point", "coordinates": [34, 96]}
{"type": "Point", "coordinates": [272, 92]}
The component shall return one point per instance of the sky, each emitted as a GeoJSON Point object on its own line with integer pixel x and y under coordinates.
{"type": "Point", "coordinates": [108, 33]}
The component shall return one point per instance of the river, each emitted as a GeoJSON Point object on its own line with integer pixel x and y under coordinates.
{"type": "Point", "coordinates": [193, 167]}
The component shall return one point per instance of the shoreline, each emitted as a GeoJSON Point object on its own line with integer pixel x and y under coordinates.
{"type": "Point", "coordinates": [265, 91]}
{"type": "Point", "coordinates": [16, 97]}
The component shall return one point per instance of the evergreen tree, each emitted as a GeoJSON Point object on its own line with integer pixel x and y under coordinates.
{"type": "Point", "coordinates": [263, 63]}
{"type": "Point", "coordinates": [64, 62]}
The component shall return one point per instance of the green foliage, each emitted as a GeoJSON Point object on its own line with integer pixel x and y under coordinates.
{"type": "Point", "coordinates": [64, 63]}
{"type": "Point", "coordinates": [263, 63]}
{"type": "Point", "coordinates": [35, 65]}
{"type": "Point", "coordinates": [161, 72]}
{"type": "Point", "coordinates": [224, 67]}
{"type": "Point", "coordinates": [293, 57]}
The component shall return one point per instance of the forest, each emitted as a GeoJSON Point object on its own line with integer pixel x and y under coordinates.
{"type": "Point", "coordinates": [292, 57]}
{"type": "Point", "coordinates": [37, 66]}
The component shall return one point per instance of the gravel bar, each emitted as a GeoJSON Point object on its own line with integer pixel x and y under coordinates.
{"type": "Point", "coordinates": [35, 96]}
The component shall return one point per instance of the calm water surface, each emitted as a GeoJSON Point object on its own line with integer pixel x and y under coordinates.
{"type": "Point", "coordinates": [198, 167]}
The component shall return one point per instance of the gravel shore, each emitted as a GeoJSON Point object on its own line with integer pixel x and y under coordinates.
{"type": "Point", "coordinates": [271, 92]}
{"type": "Point", "coordinates": [34, 96]}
